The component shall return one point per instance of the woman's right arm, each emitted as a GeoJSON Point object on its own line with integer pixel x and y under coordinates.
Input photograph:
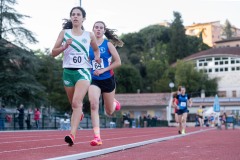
{"type": "Point", "coordinates": [58, 48]}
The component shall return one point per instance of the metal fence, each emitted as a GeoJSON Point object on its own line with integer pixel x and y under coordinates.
{"type": "Point", "coordinates": [61, 122]}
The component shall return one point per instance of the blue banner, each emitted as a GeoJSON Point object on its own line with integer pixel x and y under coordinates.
{"type": "Point", "coordinates": [216, 105]}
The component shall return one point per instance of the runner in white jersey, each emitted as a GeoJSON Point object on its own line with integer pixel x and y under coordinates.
{"type": "Point", "coordinates": [75, 43]}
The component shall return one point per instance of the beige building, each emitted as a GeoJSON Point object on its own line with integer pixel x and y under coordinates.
{"type": "Point", "coordinates": [232, 42]}
{"type": "Point", "coordinates": [211, 32]}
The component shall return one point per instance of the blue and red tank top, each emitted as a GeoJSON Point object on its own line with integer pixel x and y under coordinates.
{"type": "Point", "coordinates": [106, 58]}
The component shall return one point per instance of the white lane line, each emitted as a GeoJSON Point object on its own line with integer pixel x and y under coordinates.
{"type": "Point", "coordinates": [121, 147]}
{"type": "Point", "coordinates": [56, 137]}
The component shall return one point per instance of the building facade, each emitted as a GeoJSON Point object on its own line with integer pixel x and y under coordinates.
{"type": "Point", "coordinates": [211, 32]}
{"type": "Point", "coordinates": [221, 63]}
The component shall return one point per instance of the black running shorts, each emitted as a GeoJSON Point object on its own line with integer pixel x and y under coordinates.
{"type": "Point", "coordinates": [106, 85]}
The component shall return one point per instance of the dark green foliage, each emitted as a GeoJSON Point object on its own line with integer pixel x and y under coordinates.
{"type": "Point", "coordinates": [128, 79]}
{"type": "Point", "coordinates": [178, 46]}
{"type": "Point", "coordinates": [18, 84]}
{"type": "Point", "coordinates": [195, 81]}
{"type": "Point", "coordinates": [227, 30]}
{"type": "Point", "coordinates": [11, 25]}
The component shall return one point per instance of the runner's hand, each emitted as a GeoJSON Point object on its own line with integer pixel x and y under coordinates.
{"type": "Point", "coordinates": [65, 46]}
{"type": "Point", "coordinates": [98, 60]}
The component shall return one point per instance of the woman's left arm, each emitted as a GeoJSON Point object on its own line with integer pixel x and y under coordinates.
{"type": "Point", "coordinates": [116, 58]}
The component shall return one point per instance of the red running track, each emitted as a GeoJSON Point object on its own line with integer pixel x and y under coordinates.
{"type": "Point", "coordinates": [29, 145]}
{"type": "Point", "coordinates": [210, 145]}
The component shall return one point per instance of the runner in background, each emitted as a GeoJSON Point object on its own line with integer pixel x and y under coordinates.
{"type": "Point", "coordinates": [175, 101]}
{"type": "Point", "coordinates": [184, 101]}
{"type": "Point", "coordinates": [200, 115]}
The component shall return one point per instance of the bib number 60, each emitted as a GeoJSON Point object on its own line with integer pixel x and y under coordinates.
{"type": "Point", "coordinates": [77, 59]}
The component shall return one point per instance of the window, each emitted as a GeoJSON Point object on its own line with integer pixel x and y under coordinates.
{"type": "Point", "coordinates": [232, 62]}
{"type": "Point", "coordinates": [200, 64]}
{"type": "Point", "coordinates": [216, 63]}
{"type": "Point", "coordinates": [226, 69]}
{"type": "Point", "coordinates": [217, 58]}
{"type": "Point", "coordinates": [209, 59]}
{"type": "Point", "coordinates": [205, 64]}
{"type": "Point", "coordinates": [238, 68]}
{"type": "Point", "coordinates": [234, 94]}
{"type": "Point", "coordinates": [221, 62]}
{"type": "Point", "coordinates": [233, 68]}
{"type": "Point", "coordinates": [226, 62]}
{"type": "Point", "coordinates": [221, 69]}
{"type": "Point", "coordinates": [216, 69]}
{"type": "Point", "coordinates": [222, 93]}
{"type": "Point", "coordinates": [209, 70]}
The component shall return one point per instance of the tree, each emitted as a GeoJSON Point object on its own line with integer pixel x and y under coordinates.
{"type": "Point", "coordinates": [195, 44]}
{"type": "Point", "coordinates": [17, 65]}
{"type": "Point", "coordinates": [155, 70]}
{"type": "Point", "coordinates": [227, 30]}
{"type": "Point", "coordinates": [10, 25]}
{"type": "Point", "coordinates": [50, 76]}
{"type": "Point", "coordinates": [17, 69]}
{"type": "Point", "coordinates": [195, 81]}
{"type": "Point", "coordinates": [178, 46]}
{"type": "Point", "coordinates": [128, 79]}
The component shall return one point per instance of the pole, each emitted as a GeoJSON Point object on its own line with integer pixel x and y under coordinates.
{"type": "Point", "coordinates": [169, 108]}
{"type": "Point", "coordinates": [80, 3]}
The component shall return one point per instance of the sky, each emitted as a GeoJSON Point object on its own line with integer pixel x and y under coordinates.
{"type": "Point", "coordinates": [127, 16]}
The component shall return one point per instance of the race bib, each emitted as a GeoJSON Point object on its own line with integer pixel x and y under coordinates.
{"type": "Point", "coordinates": [76, 59]}
{"type": "Point", "coordinates": [183, 104]}
{"type": "Point", "coordinates": [97, 66]}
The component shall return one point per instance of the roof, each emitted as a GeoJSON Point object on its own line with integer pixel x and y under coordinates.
{"type": "Point", "coordinates": [162, 99]}
{"type": "Point", "coordinates": [229, 40]}
{"type": "Point", "coordinates": [197, 24]}
{"type": "Point", "coordinates": [226, 51]}
{"type": "Point", "coordinates": [143, 99]}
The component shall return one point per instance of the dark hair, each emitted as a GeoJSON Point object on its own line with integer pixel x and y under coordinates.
{"type": "Point", "coordinates": [179, 88]}
{"type": "Point", "coordinates": [175, 95]}
{"type": "Point", "coordinates": [67, 24]}
{"type": "Point", "coordinates": [111, 36]}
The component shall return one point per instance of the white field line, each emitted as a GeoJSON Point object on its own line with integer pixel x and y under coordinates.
{"type": "Point", "coordinates": [122, 147]}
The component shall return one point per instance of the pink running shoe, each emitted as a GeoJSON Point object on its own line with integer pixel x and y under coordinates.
{"type": "Point", "coordinates": [118, 105]}
{"type": "Point", "coordinates": [96, 141]}
{"type": "Point", "coordinates": [69, 139]}
{"type": "Point", "coordinates": [81, 118]}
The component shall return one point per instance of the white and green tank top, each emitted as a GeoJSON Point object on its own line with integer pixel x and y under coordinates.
{"type": "Point", "coordinates": [77, 53]}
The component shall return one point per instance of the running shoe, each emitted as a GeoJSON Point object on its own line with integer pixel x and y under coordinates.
{"type": "Point", "coordinates": [118, 105]}
{"type": "Point", "coordinates": [96, 141]}
{"type": "Point", "coordinates": [183, 131]}
{"type": "Point", "coordinates": [69, 139]}
{"type": "Point", "coordinates": [179, 132]}
{"type": "Point", "coordinates": [117, 108]}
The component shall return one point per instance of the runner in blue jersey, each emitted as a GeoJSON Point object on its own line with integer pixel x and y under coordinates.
{"type": "Point", "coordinates": [184, 100]}
{"type": "Point", "coordinates": [75, 42]}
{"type": "Point", "coordinates": [103, 81]}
